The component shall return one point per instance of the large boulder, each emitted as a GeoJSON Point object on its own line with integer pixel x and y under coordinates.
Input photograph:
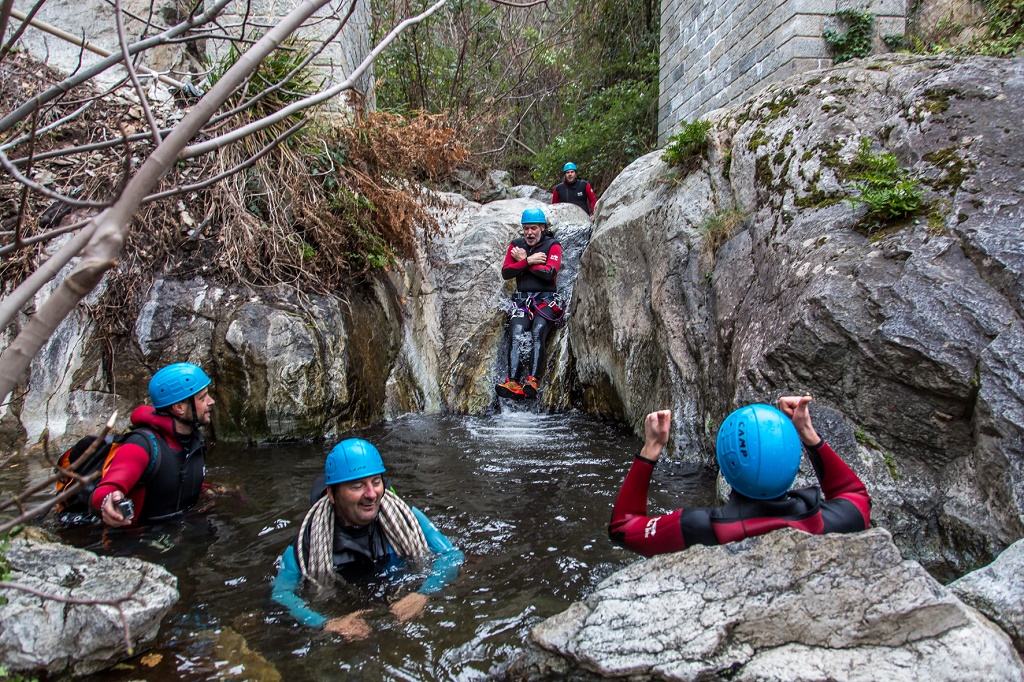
{"type": "Point", "coordinates": [99, 605]}
{"type": "Point", "coordinates": [285, 366]}
{"type": "Point", "coordinates": [783, 606]}
{"type": "Point", "coordinates": [998, 591]}
{"type": "Point", "coordinates": [909, 335]}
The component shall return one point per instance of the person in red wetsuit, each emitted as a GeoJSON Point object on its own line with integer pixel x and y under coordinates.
{"type": "Point", "coordinates": [574, 190]}
{"type": "Point", "coordinates": [759, 454]}
{"type": "Point", "coordinates": [168, 482]}
{"type": "Point", "coordinates": [533, 261]}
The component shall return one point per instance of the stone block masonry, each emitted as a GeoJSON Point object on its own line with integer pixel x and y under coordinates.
{"type": "Point", "coordinates": [96, 21]}
{"type": "Point", "coordinates": [715, 53]}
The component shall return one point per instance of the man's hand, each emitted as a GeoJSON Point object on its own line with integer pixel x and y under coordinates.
{"type": "Point", "coordinates": [656, 432]}
{"type": "Point", "coordinates": [408, 607]}
{"type": "Point", "coordinates": [352, 627]}
{"type": "Point", "coordinates": [111, 514]}
{"type": "Point", "coordinates": [795, 407]}
{"type": "Point", "coordinates": [518, 253]}
{"type": "Point", "coordinates": [537, 258]}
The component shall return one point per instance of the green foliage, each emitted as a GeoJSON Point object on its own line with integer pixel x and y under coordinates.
{"type": "Point", "coordinates": [856, 40]}
{"type": "Point", "coordinates": [530, 88]}
{"type": "Point", "coordinates": [1005, 35]}
{"type": "Point", "coordinates": [612, 128]}
{"type": "Point", "coordinates": [275, 70]}
{"type": "Point", "coordinates": [688, 145]}
{"type": "Point", "coordinates": [7, 676]}
{"type": "Point", "coordinates": [888, 190]}
{"type": "Point", "coordinates": [5, 570]}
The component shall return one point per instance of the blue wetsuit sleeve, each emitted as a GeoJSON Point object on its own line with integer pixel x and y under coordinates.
{"type": "Point", "coordinates": [287, 582]}
{"type": "Point", "coordinates": [446, 566]}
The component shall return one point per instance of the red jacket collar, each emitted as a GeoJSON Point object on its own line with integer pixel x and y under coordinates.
{"type": "Point", "coordinates": [145, 415]}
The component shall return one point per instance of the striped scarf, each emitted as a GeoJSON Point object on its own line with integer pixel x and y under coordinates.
{"type": "Point", "coordinates": [400, 526]}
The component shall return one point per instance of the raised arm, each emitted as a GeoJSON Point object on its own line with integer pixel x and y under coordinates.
{"type": "Point", "coordinates": [630, 526]}
{"type": "Point", "coordinates": [837, 480]}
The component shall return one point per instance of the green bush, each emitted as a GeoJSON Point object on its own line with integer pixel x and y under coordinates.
{"type": "Point", "coordinates": [612, 128]}
{"type": "Point", "coordinates": [889, 191]}
{"type": "Point", "coordinates": [687, 146]}
{"type": "Point", "coordinates": [856, 40]}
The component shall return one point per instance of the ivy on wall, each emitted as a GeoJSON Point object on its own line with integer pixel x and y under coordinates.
{"type": "Point", "coordinates": [856, 40]}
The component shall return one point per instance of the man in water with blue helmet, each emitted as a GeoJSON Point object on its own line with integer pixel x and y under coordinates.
{"type": "Point", "coordinates": [358, 530]}
{"type": "Point", "coordinates": [759, 450]}
{"type": "Point", "coordinates": [165, 483]}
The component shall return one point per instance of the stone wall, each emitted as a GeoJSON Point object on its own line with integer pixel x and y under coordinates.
{"type": "Point", "coordinates": [95, 19]}
{"type": "Point", "coordinates": [339, 58]}
{"type": "Point", "coordinates": [714, 54]}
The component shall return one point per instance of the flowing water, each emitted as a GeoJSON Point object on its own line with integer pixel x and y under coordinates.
{"type": "Point", "coordinates": [527, 497]}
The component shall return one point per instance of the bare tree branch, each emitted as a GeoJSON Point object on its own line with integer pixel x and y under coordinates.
{"type": "Point", "coordinates": [45, 236]}
{"type": "Point", "coordinates": [130, 68]}
{"type": "Point", "coordinates": [15, 300]}
{"type": "Point", "coordinates": [184, 189]}
{"type": "Point", "coordinates": [111, 226]}
{"type": "Point", "coordinates": [47, 128]}
{"type": "Point", "coordinates": [19, 114]}
{"type": "Point", "coordinates": [295, 107]}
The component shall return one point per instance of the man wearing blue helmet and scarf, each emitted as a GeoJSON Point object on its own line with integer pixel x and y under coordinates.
{"type": "Point", "coordinates": [167, 482]}
{"type": "Point", "coordinates": [759, 449]}
{"type": "Point", "coordinates": [357, 530]}
{"type": "Point", "coordinates": [533, 261]}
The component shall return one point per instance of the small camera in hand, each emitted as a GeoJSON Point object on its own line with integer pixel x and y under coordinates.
{"type": "Point", "coordinates": [126, 508]}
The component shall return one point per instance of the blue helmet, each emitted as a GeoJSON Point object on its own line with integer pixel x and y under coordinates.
{"type": "Point", "coordinates": [569, 166]}
{"type": "Point", "coordinates": [352, 459]}
{"type": "Point", "coordinates": [176, 382]}
{"type": "Point", "coordinates": [758, 451]}
{"type": "Point", "coordinates": [534, 216]}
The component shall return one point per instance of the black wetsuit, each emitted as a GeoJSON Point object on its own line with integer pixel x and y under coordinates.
{"type": "Point", "coordinates": [536, 286]}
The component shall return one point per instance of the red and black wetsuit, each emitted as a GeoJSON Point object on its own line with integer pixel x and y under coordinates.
{"type": "Point", "coordinates": [845, 509]}
{"type": "Point", "coordinates": [175, 484]}
{"type": "Point", "coordinates": [579, 193]}
{"type": "Point", "coordinates": [538, 282]}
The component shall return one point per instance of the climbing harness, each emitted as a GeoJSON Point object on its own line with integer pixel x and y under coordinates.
{"type": "Point", "coordinates": [528, 304]}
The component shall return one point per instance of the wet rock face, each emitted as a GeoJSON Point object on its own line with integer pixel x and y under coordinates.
{"type": "Point", "coordinates": [908, 334]}
{"type": "Point", "coordinates": [284, 367]}
{"type": "Point", "coordinates": [783, 606]}
{"type": "Point", "coordinates": [45, 635]}
{"type": "Point", "coordinates": [455, 307]}
{"type": "Point", "coordinates": [998, 592]}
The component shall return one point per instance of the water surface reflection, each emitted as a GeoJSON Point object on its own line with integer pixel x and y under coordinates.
{"type": "Point", "coordinates": [527, 497]}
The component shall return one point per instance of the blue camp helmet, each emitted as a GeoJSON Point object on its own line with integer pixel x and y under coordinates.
{"type": "Point", "coordinates": [352, 459]}
{"type": "Point", "coordinates": [568, 167]}
{"type": "Point", "coordinates": [174, 383]}
{"type": "Point", "coordinates": [758, 451]}
{"type": "Point", "coordinates": [534, 216]}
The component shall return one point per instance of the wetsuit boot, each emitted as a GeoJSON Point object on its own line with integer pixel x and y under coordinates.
{"type": "Point", "coordinates": [510, 389]}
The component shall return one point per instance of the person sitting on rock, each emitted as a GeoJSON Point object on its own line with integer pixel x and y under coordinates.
{"type": "Point", "coordinates": [534, 261]}
{"type": "Point", "coordinates": [357, 530]}
{"type": "Point", "coordinates": [167, 483]}
{"type": "Point", "coordinates": [759, 455]}
{"type": "Point", "coordinates": [574, 190]}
